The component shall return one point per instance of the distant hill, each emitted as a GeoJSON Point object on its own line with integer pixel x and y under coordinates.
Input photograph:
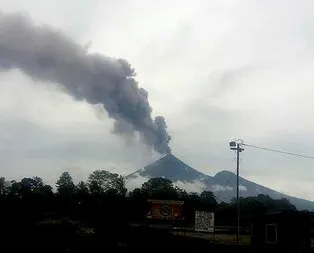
{"type": "Point", "coordinates": [223, 184]}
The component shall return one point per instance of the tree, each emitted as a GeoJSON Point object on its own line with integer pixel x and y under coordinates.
{"type": "Point", "coordinates": [32, 184]}
{"type": "Point", "coordinates": [284, 204]}
{"type": "Point", "coordinates": [4, 186]}
{"type": "Point", "coordinates": [194, 197]}
{"type": "Point", "coordinates": [102, 181]}
{"type": "Point", "coordinates": [65, 185]}
{"type": "Point", "coordinates": [27, 186]}
{"type": "Point", "coordinates": [262, 204]}
{"type": "Point", "coordinates": [38, 183]}
{"type": "Point", "coordinates": [82, 189]}
{"type": "Point", "coordinates": [159, 188]}
{"type": "Point", "coordinates": [182, 194]}
{"type": "Point", "coordinates": [15, 189]}
{"type": "Point", "coordinates": [136, 194]}
{"type": "Point", "coordinates": [208, 199]}
{"type": "Point", "coordinates": [47, 190]}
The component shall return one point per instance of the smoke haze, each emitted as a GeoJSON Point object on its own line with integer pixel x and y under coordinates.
{"type": "Point", "coordinates": [46, 54]}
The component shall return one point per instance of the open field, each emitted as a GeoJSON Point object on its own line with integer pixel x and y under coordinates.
{"type": "Point", "coordinates": [217, 238]}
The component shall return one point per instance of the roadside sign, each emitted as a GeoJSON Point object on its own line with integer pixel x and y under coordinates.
{"type": "Point", "coordinates": [204, 221]}
{"type": "Point", "coordinates": [165, 209]}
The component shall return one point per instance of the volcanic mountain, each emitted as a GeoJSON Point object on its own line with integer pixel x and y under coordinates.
{"type": "Point", "coordinates": [223, 184]}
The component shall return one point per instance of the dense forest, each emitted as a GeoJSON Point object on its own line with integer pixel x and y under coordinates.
{"type": "Point", "coordinates": [102, 205]}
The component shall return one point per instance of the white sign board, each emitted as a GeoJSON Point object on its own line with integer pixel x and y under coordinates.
{"type": "Point", "coordinates": [204, 221]}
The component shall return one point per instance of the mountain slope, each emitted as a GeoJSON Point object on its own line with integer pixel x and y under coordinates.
{"type": "Point", "coordinates": [223, 184]}
{"type": "Point", "coordinates": [172, 168]}
{"type": "Point", "coordinates": [249, 188]}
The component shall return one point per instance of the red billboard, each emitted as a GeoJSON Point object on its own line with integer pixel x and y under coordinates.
{"type": "Point", "coordinates": [165, 209]}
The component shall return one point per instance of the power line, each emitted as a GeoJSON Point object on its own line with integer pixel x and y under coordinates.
{"type": "Point", "coordinates": [278, 151]}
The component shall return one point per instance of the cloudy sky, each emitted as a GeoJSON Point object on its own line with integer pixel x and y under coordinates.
{"type": "Point", "coordinates": [217, 70]}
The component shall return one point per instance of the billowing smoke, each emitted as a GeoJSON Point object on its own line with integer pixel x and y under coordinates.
{"type": "Point", "coordinates": [46, 54]}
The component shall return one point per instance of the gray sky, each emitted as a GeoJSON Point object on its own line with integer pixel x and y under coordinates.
{"type": "Point", "coordinates": [217, 70]}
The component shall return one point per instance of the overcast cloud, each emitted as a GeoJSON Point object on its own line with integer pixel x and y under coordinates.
{"type": "Point", "coordinates": [217, 70]}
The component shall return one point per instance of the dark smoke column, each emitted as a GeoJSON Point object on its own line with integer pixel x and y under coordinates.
{"type": "Point", "coordinates": [46, 54]}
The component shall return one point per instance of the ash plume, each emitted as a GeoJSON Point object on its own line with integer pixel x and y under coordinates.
{"type": "Point", "coordinates": [46, 54]}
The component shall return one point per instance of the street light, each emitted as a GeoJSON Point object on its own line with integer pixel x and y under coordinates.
{"type": "Point", "coordinates": [234, 145]}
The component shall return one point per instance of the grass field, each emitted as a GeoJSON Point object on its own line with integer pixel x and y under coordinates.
{"type": "Point", "coordinates": [217, 238]}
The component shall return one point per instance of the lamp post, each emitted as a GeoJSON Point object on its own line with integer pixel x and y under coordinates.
{"type": "Point", "coordinates": [237, 147]}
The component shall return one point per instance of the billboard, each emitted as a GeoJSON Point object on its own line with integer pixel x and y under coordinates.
{"type": "Point", "coordinates": [165, 209]}
{"type": "Point", "coordinates": [204, 221]}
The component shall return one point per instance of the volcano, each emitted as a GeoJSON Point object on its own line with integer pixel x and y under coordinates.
{"type": "Point", "coordinates": [223, 184]}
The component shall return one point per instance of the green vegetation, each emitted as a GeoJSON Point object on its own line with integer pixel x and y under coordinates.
{"type": "Point", "coordinates": [102, 208]}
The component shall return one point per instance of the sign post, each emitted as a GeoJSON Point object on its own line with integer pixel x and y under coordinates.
{"type": "Point", "coordinates": [165, 210]}
{"type": "Point", "coordinates": [204, 221]}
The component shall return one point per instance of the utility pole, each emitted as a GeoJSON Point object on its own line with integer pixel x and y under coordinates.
{"type": "Point", "coordinates": [237, 146]}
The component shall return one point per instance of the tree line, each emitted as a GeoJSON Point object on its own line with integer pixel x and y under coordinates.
{"type": "Point", "coordinates": [102, 208]}
{"type": "Point", "coordinates": [105, 194]}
